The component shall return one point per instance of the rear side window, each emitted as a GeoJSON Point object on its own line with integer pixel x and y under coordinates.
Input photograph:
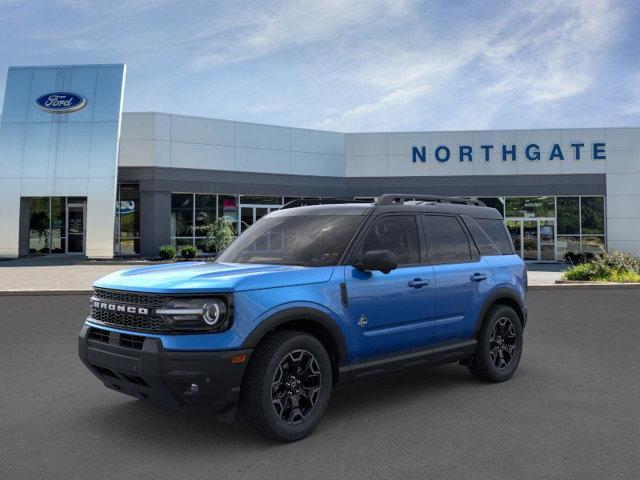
{"type": "Point", "coordinates": [397, 233]}
{"type": "Point", "coordinates": [496, 231]}
{"type": "Point", "coordinates": [447, 240]}
{"type": "Point", "coordinates": [486, 246]}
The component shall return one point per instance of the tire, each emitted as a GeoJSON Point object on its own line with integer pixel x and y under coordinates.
{"type": "Point", "coordinates": [499, 345]}
{"type": "Point", "coordinates": [270, 393]}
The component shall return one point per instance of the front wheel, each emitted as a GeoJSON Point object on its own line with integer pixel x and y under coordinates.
{"type": "Point", "coordinates": [499, 345]}
{"type": "Point", "coordinates": [287, 386]}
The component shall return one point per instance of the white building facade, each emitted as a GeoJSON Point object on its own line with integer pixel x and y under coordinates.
{"type": "Point", "coordinates": [560, 190]}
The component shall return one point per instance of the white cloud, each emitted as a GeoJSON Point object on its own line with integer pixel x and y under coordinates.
{"type": "Point", "coordinates": [285, 24]}
{"type": "Point", "coordinates": [347, 64]}
{"type": "Point", "coordinates": [534, 53]}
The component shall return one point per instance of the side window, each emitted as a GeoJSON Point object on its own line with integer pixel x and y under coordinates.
{"type": "Point", "coordinates": [485, 244]}
{"type": "Point", "coordinates": [447, 240]}
{"type": "Point", "coordinates": [497, 232]}
{"type": "Point", "coordinates": [397, 233]}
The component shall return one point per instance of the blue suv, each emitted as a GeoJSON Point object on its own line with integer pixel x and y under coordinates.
{"type": "Point", "coordinates": [310, 297]}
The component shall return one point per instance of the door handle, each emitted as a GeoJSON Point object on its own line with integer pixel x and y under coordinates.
{"type": "Point", "coordinates": [478, 277]}
{"type": "Point", "coordinates": [418, 283]}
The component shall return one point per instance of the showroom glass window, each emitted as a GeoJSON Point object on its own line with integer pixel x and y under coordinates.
{"type": "Point", "coordinates": [530, 207]}
{"type": "Point", "coordinates": [40, 225]}
{"type": "Point", "coordinates": [581, 223]}
{"type": "Point", "coordinates": [48, 232]}
{"type": "Point", "coordinates": [127, 227]}
{"type": "Point", "coordinates": [190, 212]}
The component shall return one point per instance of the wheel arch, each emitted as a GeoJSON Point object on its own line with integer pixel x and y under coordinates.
{"type": "Point", "coordinates": [503, 296]}
{"type": "Point", "coordinates": [307, 320]}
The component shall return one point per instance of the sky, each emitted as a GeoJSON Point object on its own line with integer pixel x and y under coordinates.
{"type": "Point", "coordinates": [351, 65]}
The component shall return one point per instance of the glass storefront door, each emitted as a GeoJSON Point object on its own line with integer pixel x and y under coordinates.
{"type": "Point", "coordinates": [530, 240]}
{"type": "Point", "coordinates": [75, 227]}
{"type": "Point", "coordinates": [534, 239]}
{"type": "Point", "coordinates": [547, 238]}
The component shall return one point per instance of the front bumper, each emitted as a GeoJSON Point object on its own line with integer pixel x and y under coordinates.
{"type": "Point", "coordinates": [138, 366]}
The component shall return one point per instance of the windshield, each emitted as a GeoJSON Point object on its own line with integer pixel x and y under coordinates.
{"type": "Point", "coordinates": [310, 241]}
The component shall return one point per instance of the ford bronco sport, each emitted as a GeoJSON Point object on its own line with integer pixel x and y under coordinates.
{"type": "Point", "coordinates": [310, 297]}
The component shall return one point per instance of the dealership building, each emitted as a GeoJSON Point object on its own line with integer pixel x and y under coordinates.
{"type": "Point", "coordinates": [80, 176]}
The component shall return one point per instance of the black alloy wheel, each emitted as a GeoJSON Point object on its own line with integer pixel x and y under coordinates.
{"type": "Point", "coordinates": [502, 342]}
{"type": "Point", "coordinates": [296, 385]}
{"type": "Point", "coordinates": [287, 385]}
{"type": "Point", "coordinates": [499, 345]}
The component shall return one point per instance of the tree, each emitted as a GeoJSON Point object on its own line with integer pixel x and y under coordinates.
{"type": "Point", "coordinates": [219, 234]}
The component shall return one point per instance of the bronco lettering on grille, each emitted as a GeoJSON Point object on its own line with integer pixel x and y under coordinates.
{"type": "Point", "coordinates": [114, 307]}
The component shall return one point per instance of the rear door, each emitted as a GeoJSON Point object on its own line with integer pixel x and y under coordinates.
{"type": "Point", "coordinates": [462, 277]}
{"type": "Point", "coordinates": [391, 312]}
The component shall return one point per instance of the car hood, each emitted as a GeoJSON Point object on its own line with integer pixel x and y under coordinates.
{"type": "Point", "coordinates": [201, 277]}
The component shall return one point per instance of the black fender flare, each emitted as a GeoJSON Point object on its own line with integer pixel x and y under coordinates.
{"type": "Point", "coordinates": [501, 293]}
{"type": "Point", "coordinates": [300, 314]}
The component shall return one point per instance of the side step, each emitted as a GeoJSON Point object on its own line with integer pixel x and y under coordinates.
{"type": "Point", "coordinates": [423, 358]}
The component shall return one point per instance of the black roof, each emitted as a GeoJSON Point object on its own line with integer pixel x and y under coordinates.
{"type": "Point", "coordinates": [436, 205]}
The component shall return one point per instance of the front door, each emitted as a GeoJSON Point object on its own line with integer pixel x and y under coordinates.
{"type": "Point", "coordinates": [75, 227]}
{"type": "Point", "coordinates": [391, 312]}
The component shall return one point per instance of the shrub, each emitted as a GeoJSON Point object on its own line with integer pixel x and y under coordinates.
{"type": "Point", "coordinates": [617, 260]}
{"type": "Point", "coordinates": [614, 266]}
{"type": "Point", "coordinates": [582, 271]}
{"type": "Point", "coordinates": [167, 252]}
{"type": "Point", "coordinates": [188, 251]}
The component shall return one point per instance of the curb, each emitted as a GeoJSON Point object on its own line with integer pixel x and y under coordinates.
{"type": "Point", "coordinates": [585, 286]}
{"type": "Point", "coordinates": [42, 293]}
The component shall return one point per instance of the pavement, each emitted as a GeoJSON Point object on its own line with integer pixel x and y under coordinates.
{"type": "Point", "coordinates": [52, 274]}
{"type": "Point", "coordinates": [570, 412]}
{"type": "Point", "coordinates": [540, 274]}
{"type": "Point", "coordinates": [68, 274]}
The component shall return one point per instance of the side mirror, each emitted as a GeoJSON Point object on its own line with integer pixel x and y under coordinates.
{"type": "Point", "coordinates": [382, 260]}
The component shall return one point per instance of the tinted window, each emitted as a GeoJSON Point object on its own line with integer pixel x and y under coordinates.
{"type": "Point", "coordinates": [313, 241]}
{"type": "Point", "coordinates": [447, 241]}
{"type": "Point", "coordinates": [497, 233]}
{"type": "Point", "coordinates": [485, 245]}
{"type": "Point", "coordinates": [396, 233]}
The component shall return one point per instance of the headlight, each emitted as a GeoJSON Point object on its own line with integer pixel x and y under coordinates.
{"type": "Point", "coordinates": [196, 314]}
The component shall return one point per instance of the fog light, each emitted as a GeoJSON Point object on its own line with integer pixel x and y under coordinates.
{"type": "Point", "coordinates": [240, 358]}
{"type": "Point", "coordinates": [193, 388]}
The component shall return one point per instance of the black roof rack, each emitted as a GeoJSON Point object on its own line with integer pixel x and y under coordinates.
{"type": "Point", "coordinates": [400, 198]}
{"type": "Point", "coordinates": [305, 202]}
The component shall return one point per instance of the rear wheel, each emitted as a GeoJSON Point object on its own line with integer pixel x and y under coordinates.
{"type": "Point", "coordinates": [499, 345]}
{"type": "Point", "coordinates": [287, 386]}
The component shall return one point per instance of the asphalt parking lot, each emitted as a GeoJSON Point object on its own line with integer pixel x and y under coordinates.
{"type": "Point", "coordinates": [571, 411]}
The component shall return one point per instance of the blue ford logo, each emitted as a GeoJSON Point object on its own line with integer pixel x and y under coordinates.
{"type": "Point", "coordinates": [61, 102]}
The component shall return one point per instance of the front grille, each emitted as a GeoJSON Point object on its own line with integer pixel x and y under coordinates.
{"type": "Point", "coordinates": [129, 321]}
{"type": "Point", "coordinates": [148, 322]}
{"type": "Point", "coordinates": [148, 300]}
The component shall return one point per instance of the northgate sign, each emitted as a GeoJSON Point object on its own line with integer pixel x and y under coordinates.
{"type": "Point", "coordinates": [532, 152]}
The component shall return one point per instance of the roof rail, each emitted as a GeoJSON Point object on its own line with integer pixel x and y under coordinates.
{"type": "Point", "coordinates": [401, 198]}
{"type": "Point", "coordinates": [305, 202]}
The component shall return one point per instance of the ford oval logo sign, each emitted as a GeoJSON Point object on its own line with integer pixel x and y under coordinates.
{"type": "Point", "coordinates": [61, 102]}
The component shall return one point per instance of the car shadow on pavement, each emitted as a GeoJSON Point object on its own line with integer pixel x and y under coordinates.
{"type": "Point", "coordinates": [134, 420]}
